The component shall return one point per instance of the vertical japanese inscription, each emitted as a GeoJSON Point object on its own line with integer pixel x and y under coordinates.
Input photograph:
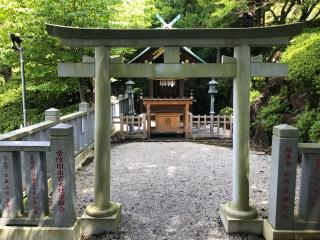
{"type": "Point", "coordinates": [34, 198]}
{"type": "Point", "coordinates": [10, 187]}
{"type": "Point", "coordinates": [60, 180]}
{"type": "Point", "coordinates": [286, 182]}
{"type": "Point", "coordinates": [7, 190]}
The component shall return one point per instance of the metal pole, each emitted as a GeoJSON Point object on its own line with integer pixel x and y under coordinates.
{"type": "Point", "coordinates": [23, 83]}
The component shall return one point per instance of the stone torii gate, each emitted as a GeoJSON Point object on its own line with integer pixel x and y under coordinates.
{"type": "Point", "coordinates": [238, 215]}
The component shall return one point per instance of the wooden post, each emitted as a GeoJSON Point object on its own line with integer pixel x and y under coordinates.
{"type": "Point", "coordinates": [144, 122]}
{"type": "Point", "coordinates": [132, 124]}
{"type": "Point", "coordinates": [149, 120]}
{"type": "Point", "coordinates": [218, 125]}
{"type": "Point", "coordinates": [205, 123]}
{"type": "Point", "coordinates": [121, 122]}
{"type": "Point", "coordinates": [191, 123]}
{"type": "Point", "coordinates": [139, 124]}
{"type": "Point", "coordinates": [224, 125]}
{"type": "Point", "coordinates": [186, 127]}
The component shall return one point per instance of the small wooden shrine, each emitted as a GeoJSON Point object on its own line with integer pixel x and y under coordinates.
{"type": "Point", "coordinates": [167, 107]}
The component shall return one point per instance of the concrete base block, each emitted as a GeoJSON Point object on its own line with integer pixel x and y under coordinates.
{"type": "Point", "coordinates": [271, 234]}
{"type": "Point", "coordinates": [91, 225]}
{"type": "Point", "coordinates": [38, 233]}
{"type": "Point", "coordinates": [235, 225]}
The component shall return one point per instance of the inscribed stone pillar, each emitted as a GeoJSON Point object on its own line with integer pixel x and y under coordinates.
{"type": "Point", "coordinates": [102, 206]}
{"type": "Point", "coordinates": [63, 175]}
{"type": "Point", "coordinates": [37, 187]}
{"type": "Point", "coordinates": [309, 200]}
{"type": "Point", "coordinates": [283, 177]}
{"type": "Point", "coordinates": [239, 207]}
{"type": "Point", "coordinates": [10, 185]}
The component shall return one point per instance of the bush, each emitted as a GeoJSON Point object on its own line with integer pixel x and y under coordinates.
{"type": "Point", "coordinates": [226, 111]}
{"type": "Point", "coordinates": [254, 94]}
{"type": "Point", "coordinates": [270, 114]}
{"type": "Point", "coordinates": [304, 69]}
{"type": "Point", "coordinates": [57, 93]}
{"type": "Point", "coordinates": [314, 132]}
{"type": "Point", "coordinates": [304, 123]}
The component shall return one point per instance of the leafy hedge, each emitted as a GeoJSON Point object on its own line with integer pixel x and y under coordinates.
{"type": "Point", "coordinates": [303, 57]}
{"type": "Point", "coordinates": [57, 93]}
{"type": "Point", "coordinates": [308, 123]}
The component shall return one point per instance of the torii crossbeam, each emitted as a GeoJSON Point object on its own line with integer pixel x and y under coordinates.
{"type": "Point", "coordinates": [241, 68]}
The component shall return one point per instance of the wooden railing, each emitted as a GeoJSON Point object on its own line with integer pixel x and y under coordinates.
{"type": "Point", "coordinates": [205, 126]}
{"type": "Point", "coordinates": [134, 126]}
{"type": "Point", "coordinates": [201, 126]}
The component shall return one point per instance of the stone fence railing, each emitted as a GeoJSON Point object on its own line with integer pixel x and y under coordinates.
{"type": "Point", "coordinates": [82, 122]}
{"type": "Point", "coordinates": [35, 158]}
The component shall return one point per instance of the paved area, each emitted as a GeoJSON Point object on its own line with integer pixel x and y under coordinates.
{"type": "Point", "coordinates": [172, 190]}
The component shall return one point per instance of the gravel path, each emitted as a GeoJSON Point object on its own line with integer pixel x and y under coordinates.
{"type": "Point", "coordinates": [172, 190]}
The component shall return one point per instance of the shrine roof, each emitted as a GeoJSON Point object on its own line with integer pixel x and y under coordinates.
{"type": "Point", "coordinates": [145, 55]}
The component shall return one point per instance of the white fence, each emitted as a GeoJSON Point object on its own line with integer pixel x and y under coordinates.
{"type": "Point", "coordinates": [211, 126]}
{"type": "Point", "coordinates": [201, 126]}
{"type": "Point", "coordinates": [134, 126]}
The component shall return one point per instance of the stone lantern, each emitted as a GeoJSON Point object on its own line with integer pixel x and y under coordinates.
{"type": "Point", "coordinates": [212, 90]}
{"type": "Point", "coordinates": [129, 90]}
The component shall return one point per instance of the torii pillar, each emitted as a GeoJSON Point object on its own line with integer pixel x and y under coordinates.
{"type": "Point", "coordinates": [102, 206]}
{"type": "Point", "coordinates": [239, 208]}
{"type": "Point", "coordinates": [102, 215]}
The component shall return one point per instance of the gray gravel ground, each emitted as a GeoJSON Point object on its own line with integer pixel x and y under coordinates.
{"type": "Point", "coordinates": [172, 190]}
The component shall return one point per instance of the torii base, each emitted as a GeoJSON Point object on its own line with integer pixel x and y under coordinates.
{"type": "Point", "coordinates": [91, 225]}
{"type": "Point", "coordinates": [235, 225]}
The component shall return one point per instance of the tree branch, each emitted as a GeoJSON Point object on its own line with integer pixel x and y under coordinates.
{"type": "Point", "coordinates": [315, 16]}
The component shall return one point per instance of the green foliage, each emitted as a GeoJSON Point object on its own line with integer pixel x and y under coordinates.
{"type": "Point", "coordinates": [201, 13]}
{"type": "Point", "coordinates": [304, 123]}
{"type": "Point", "coordinates": [308, 124]}
{"type": "Point", "coordinates": [315, 132]}
{"type": "Point", "coordinates": [254, 94]}
{"type": "Point", "coordinates": [57, 93]}
{"type": "Point", "coordinates": [304, 69]}
{"type": "Point", "coordinates": [270, 115]}
{"type": "Point", "coordinates": [258, 83]}
{"type": "Point", "coordinates": [226, 111]}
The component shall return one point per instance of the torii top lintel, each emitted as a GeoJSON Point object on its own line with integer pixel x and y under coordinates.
{"type": "Point", "coordinates": [197, 37]}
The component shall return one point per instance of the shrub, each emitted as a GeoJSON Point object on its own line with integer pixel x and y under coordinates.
{"type": "Point", "coordinates": [314, 132]}
{"type": "Point", "coordinates": [226, 111]}
{"type": "Point", "coordinates": [270, 114]}
{"type": "Point", "coordinates": [304, 69]}
{"type": "Point", "coordinates": [304, 123]}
